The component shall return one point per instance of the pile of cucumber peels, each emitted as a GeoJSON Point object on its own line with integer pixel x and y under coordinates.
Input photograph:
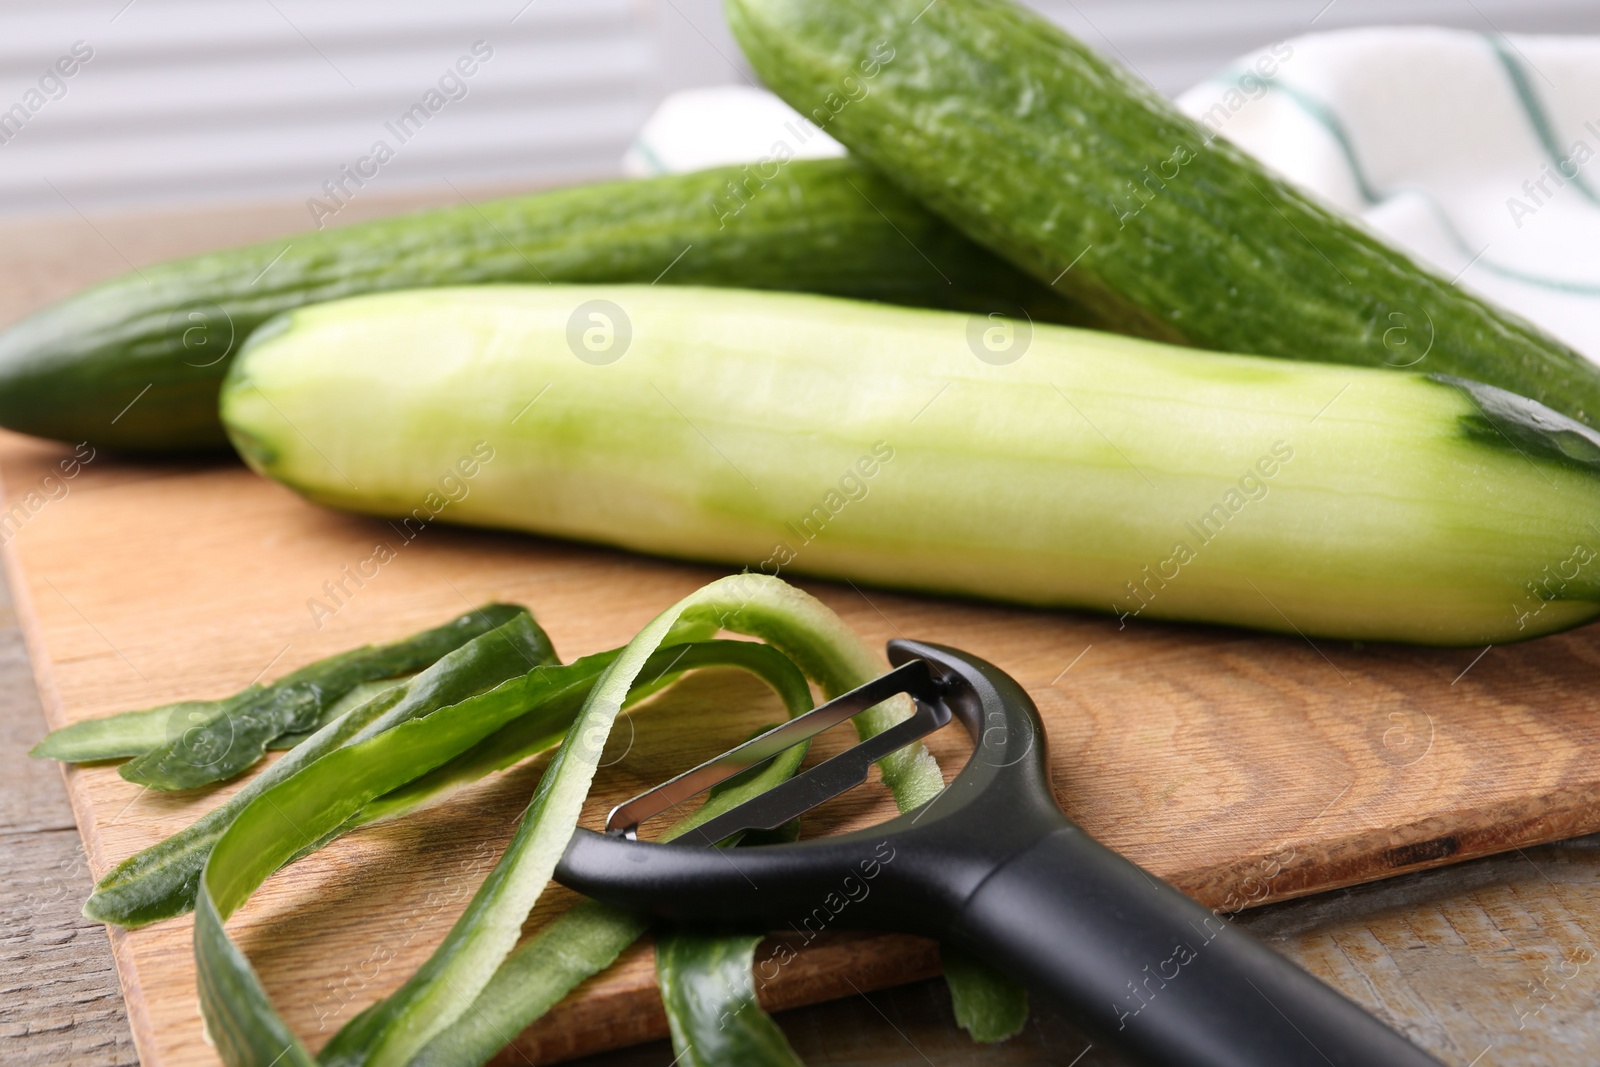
{"type": "Point", "coordinates": [383, 730]}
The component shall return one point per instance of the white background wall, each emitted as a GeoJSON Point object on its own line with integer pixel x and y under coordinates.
{"type": "Point", "coordinates": [200, 102]}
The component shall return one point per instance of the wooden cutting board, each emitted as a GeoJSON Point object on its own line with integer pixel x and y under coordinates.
{"type": "Point", "coordinates": [1243, 768]}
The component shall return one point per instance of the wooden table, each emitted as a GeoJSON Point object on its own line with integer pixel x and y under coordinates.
{"type": "Point", "coordinates": [1484, 963]}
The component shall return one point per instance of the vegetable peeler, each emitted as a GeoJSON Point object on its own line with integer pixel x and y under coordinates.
{"type": "Point", "coordinates": [993, 865]}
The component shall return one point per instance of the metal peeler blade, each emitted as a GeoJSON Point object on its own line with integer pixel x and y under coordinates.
{"type": "Point", "coordinates": [803, 792]}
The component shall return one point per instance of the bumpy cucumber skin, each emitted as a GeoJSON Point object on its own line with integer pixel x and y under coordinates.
{"type": "Point", "coordinates": [135, 362]}
{"type": "Point", "coordinates": [1043, 151]}
{"type": "Point", "coordinates": [1333, 501]}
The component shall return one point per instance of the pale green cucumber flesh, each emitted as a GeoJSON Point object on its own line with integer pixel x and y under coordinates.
{"type": "Point", "coordinates": [803, 434]}
{"type": "Point", "coordinates": [135, 362]}
{"type": "Point", "coordinates": [1074, 168]}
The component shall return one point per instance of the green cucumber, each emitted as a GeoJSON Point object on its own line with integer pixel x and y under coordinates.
{"type": "Point", "coordinates": [789, 432]}
{"type": "Point", "coordinates": [135, 362]}
{"type": "Point", "coordinates": [1078, 171]}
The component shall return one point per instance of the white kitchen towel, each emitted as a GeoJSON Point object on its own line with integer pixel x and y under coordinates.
{"type": "Point", "coordinates": [1476, 154]}
{"type": "Point", "coordinates": [698, 128]}
{"type": "Point", "coordinates": [1473, 153]}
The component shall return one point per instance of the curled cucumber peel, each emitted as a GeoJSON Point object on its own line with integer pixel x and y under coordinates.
{"type": "Point", "coordinates": [377, 762]}
{"type": "Point", "coordinates": [160, 881]}
{"type": "Point", "coordinates": [196, 742]}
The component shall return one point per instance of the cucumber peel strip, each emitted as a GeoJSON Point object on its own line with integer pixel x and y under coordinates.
{"type": "Point", "coordinates": [130, 733]}
{"type": "Point", "coordinates": [528, 735]}
{"type": "Point", "coordinates": [578, 944]}
{"type": "Point", "coordinates": [182, 734]}
{"type": "Point", "coordinates": [988, 1005]}
{"type": "Point", "coordinates": [160, 881]}
{"type": "Point", "coordinates": [445, 986]}
{"type": "Point", "coordinates": [321, 798]}
{"type": "Point", "coordinates": [231, 743]}
{"type": "Point", "coordinates": [586, 940]}
{"type": "Point", "coordinates": [296, 813]}
{"type": "Point", "coordinates": [710, 996]}
{"type": "Point", "coordinates": [302, 812]}
{"type": "Point", "coordinates": [588, 937]}
{"type": "Point", "coordinates": [299, 812]}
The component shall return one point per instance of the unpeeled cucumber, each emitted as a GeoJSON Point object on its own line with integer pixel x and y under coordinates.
{"type": "Point", "coordinates": [1072, 167]}
{"type": "Point", "coordinates": [135, 362]}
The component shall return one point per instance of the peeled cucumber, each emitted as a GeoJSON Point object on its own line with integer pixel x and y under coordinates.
{"type": "Point", "coordinates": [914, 449]}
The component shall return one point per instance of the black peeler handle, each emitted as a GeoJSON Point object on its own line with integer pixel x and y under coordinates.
{"type": "Point", "coordinates": [1159, 974]}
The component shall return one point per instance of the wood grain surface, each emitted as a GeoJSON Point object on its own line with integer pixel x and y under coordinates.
{"type": "Point", "coordinates": [1243, 768]}
{"type": "Point", "coordinates": [60, 1002]}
